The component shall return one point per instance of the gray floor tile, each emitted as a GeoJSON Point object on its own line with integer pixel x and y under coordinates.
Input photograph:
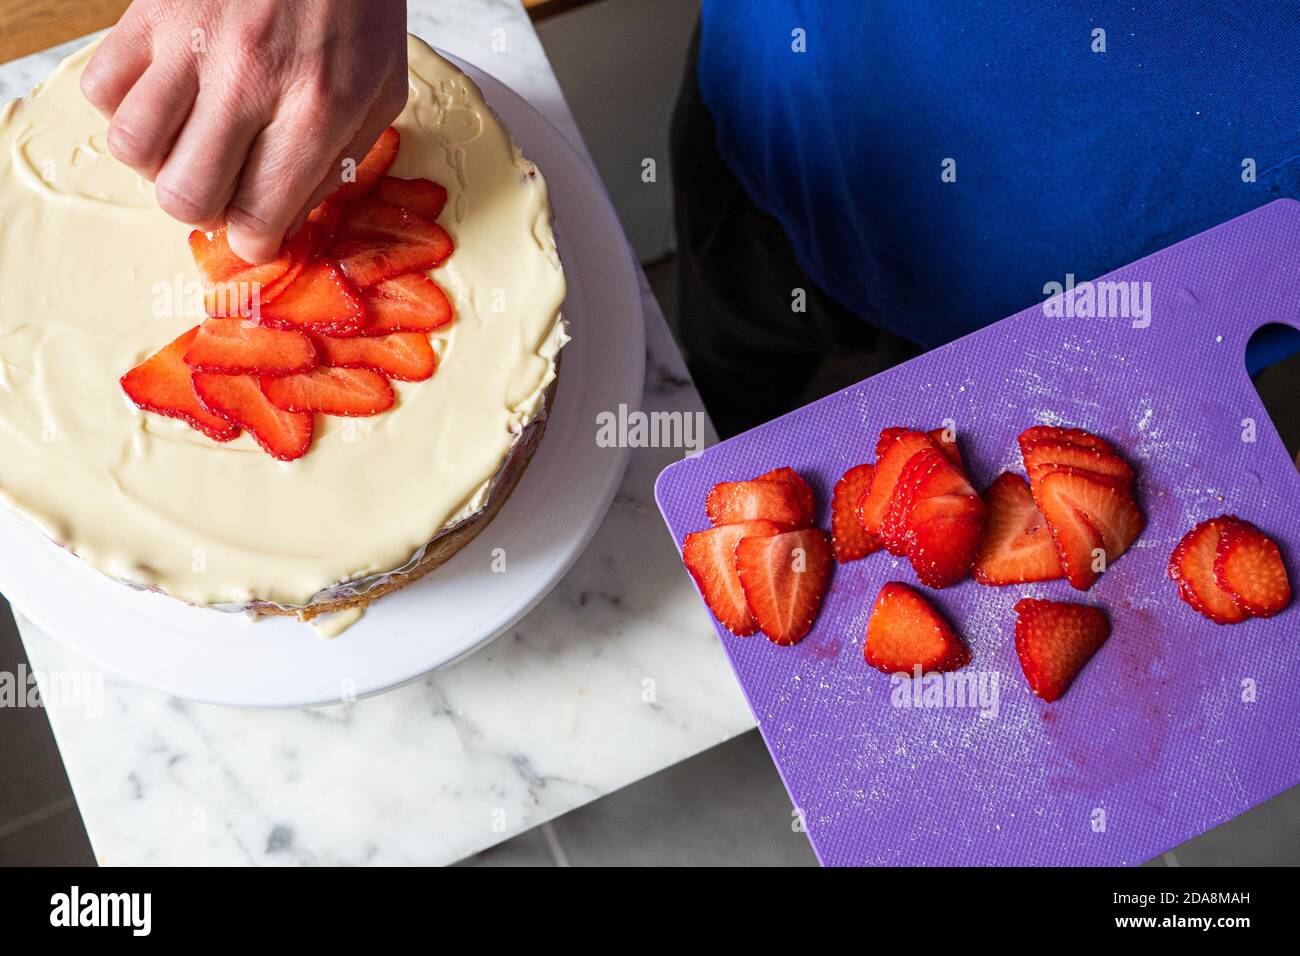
{"type": "Point", "coordinates": [528, 849]}
{"type": "Point", "coordinates": [32, 778]}
{"type": "Point", "coordinates": [1268, 835]}
{"type": "Point", "coordinates": [55, 840]}
{"type": "Point", "coordinates": [662, 276]}
{"type": "Point", "coordinates": [33, 775]}
{"type": "Point", "coordinates": [726, 807]}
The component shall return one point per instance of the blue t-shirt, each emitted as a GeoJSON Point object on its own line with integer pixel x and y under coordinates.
{"type": "Point", "coordinates": [838, 116]}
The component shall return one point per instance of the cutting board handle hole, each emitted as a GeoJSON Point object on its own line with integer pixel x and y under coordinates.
{"type": "Point", "coordinates": [1273, 358]}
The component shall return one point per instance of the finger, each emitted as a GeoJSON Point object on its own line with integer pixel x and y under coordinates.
{"type": "Point", "coordinates": [145, 126]}
{"type": "Point", "coordinates": [200, 174]}
{"type": "Point", "coordinates": [120, 61]}
{"type": "Point", "coordinates": [287, 164]}
{"type": "Point", "coordinates": [274, 186]}
{"type": "Point", "coordinates": [383, 111]}
{"type": "Point", "coordinates": [357, 147]}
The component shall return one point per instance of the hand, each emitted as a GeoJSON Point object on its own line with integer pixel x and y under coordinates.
{"type": "Point", "coordinates": [242, 111]}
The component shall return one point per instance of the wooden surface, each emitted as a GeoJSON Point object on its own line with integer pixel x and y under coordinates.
{"type": "Point", "coordinates": [30, 25]}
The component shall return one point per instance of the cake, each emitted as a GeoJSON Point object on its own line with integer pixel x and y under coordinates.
{"type": "Point", "coordinates": [95, 279]}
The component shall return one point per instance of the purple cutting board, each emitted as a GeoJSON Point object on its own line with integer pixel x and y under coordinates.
{"type": "Point", "coordinates": [1153, 743]}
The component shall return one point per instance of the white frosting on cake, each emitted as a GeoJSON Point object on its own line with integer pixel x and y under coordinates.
{"type": "Point", "coordinates": [90, 269]}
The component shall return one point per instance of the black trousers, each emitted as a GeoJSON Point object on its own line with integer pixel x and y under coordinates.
{"type": "Point", "coordinates": [751, 354]}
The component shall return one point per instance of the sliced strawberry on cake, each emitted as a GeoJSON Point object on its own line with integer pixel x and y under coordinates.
{"type": "Point", "coordinates": [784, 578]}
{"type": "Point", "coordinates": [352, 392]}
{"type": "Point", "coordinates": [372, 167]}
{"type": "Point", "coordinates": [1055, 640]}
{"type": "Point", "coordinates": [780, 502]}
{"type": "Point", "coordinates": [230, 283]}
{"type": "Point", "coordinates": [321, 299]}
{"type": "Point", "coordinates": [405, 356]}
{"type": "Point", "coordinates": [302, 249]}
{"type": "Point", "coordinates": [422, 196]}
{"type": "Point", "coordinates": [904, 632]}
{"type": "Point", "coordinates": [239, 398]}
{"type": "Point", "coordinates": [1018, 546]}
{"type": "Point", "coordinates": [324, 220]}
{"type": "Point", "coordinates": [378, 240]}
{"type": "Point", "coordinates": [1229, 570]}
{"type": "Point", "coordinates": [710, 557]}
{"type": "Point", "coordinates": [849, 539]}
{"type": "Point", "coordinates": [164, 384]}
{"type": "Point", "coordinates": [236, 347]}
{"type": "Point", "coordinates": [407, 303]}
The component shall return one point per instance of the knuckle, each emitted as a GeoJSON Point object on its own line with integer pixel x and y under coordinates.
{"type": "Point", "coordinates": [257, 44]}
{"type": "Point", "coordinates": [94, 87]}
{"type": "Point", "coordinates": [253, 221]}
{"type": "Point", "coordinates": [185, 203]}
{"type": "Point", "coordinates": [319, 110]}
{"type": "Point", "coordinates": [127, 146]}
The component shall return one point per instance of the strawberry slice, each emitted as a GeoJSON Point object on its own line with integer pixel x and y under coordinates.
{"type": "Point", "coordinates": [378, 240]}
{"type": "Point", "coordinates": [405, 356]}
{"type": "Point", "coordinates": [354, 392]}
{"type": "Point", "coordinates": [1087, 512]}
{"type": "Point", "coordinates": [324, 220]}
{"type": "Point", "coordinates": [321, 300]}
{"type": "Point", "coordinates": [1248, 565]}
{"type": "Point", "coordinates": [848, 538]}
{"type": "Point", "coordinates": [235, 347]}
{"type": "Point", "coordinates": [1018, 545]}
{"type": "Point", "coordinates": [371, 168]}
{"type": "Point", "coordinates": [230, 283]}
{"type": "Point", "coordinates": [1042, 455]}
{"type": "Point", "coordinates": [802, 490]}
{"type": "Point", "coordinates": [1055, 640]}
{"type": "Point", "coordinates": [407, 303]}
{"type": "Point", "coordinates": [950, 448]}
{"type": "Point", "coordinates": [894, 532]}
{"type": "Point", "coordinates": [422, 196]}
{"type": "Point", "coordinates": [1070, 436]}
{"type": "Point", "coordinates": [710, 557]}
{"type": "Point", "coordinates": [301, 249]}
{"type": "Point", "coordinates": [284, 435]}
{"type": "Point", "coordinates": [163, 384]}
{"type": "Point", "coordinates": [760, 499]}
{"type": "Point", "coordinates": [1192, 567]}
{"type": "Point", "coordinates": [784, 578]}
{"type": "Point", "coordinates": [904, 631]}
{"type": "Point", "coordinates": [935, 518]}
{"type": "Point", "coordinates": [893, 451]}
{"type": "Point", "coordinates": [945, 532]}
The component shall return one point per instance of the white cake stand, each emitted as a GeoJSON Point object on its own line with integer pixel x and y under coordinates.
{"type": "Point", "coordinates": [203, 655]}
